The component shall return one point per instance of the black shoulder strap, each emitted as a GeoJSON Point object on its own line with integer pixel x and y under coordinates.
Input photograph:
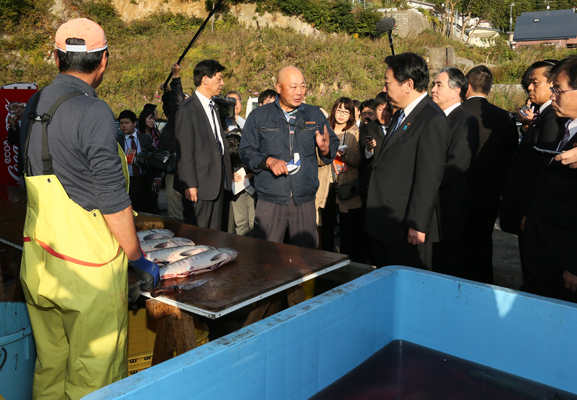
{"type": "Point", "coordinates": [46, 119]}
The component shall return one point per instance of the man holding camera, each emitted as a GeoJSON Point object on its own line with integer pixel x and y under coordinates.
{"type": "Point", "coordinates": [203, 170]}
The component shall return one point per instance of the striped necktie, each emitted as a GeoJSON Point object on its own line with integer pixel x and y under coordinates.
{"type": "Point", "coordinates": [211, 105]}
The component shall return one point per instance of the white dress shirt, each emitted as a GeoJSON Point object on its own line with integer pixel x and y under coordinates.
{"type": "Point", "coordinates": [408, 109]}
{"type": "Point", "coordinates": [448, 110]}
{"type": "Point", "coordinates": [205, 105]}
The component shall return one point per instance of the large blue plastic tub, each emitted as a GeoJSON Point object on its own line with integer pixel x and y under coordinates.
{"type": "Point", "coordinates": [17, 352]}
{"type": "Point", "coordinates": [296, 353]}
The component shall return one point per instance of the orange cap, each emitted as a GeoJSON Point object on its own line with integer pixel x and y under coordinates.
{"type": "Point", "coordinates": [81, 28]}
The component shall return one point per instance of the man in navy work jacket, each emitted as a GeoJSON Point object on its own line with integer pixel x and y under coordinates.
{"type": "Point", "coordinates": [279, 143]}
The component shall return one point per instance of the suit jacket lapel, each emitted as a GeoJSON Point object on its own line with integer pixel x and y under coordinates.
{"type": "Point", "coordinates": [405, 125]}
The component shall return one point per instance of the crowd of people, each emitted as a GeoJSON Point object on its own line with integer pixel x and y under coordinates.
{"type": "Point", "coordinates": [427, 196]}
{"type": "Point", "coordinates": [410, 178]}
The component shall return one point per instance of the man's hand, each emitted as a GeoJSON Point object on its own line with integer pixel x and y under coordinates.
{"type": "Point", "coordinates": [523, 221]}
{"type": "Point", "coordinates": [157, 182]}
{"type": "Point", "coordinates": [415, 237]}
{"type": "Point", "coordinates": [371, 144]}
{"type": "Point", "coordinates": [342, 153]}
{"type": "Point", "coordinates": [236, 177]}
{"type": "Point", "coordinates": [146, 271]}
{"type": "Point", "coordinates": [568, 157]}
{"type": "Point", "coordinates": [323, 141]}
{"type": "Point", "coordinates": [526, 120]}
{"type": "Point", "coordinates": [191, 194]}
{"type": "Point", "coordinates": [175, 70]}
{"type": "Point", "coordinates": [278, 167]}
{"type": "Point", "coordinates": [570, 280]}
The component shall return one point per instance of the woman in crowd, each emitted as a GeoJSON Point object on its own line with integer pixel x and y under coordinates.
{"type": "Point", "coordinates": [339, 185]}
{"type": "Point", "coordinates": [146, 124]}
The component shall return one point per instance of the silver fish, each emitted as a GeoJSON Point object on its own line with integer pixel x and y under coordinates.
{"type": "Point", "coordinates": [151, 245]}
{"type": "Point", "coordinates": [203, 262]}
{"type": "Point", "coordinates": [173, 254]}
{"type": "Point", "coordinates": [153, 234]}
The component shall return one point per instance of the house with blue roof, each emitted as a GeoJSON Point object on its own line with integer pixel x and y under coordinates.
{"type": "Point", "coordinates": [552, 27]}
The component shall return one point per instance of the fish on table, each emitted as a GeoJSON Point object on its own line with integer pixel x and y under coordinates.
{"type": "Point", "coordinates": [204, 262]}
{"type": "Point", "coordinates": [173, 254]}
{"type": "Point", "coordinates": [152, 234]}
{"type": "Point", "coordinates": [157, 244]}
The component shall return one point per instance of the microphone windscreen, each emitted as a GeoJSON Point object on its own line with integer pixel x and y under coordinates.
{"type": "Point", "coordinates": [385, 25]}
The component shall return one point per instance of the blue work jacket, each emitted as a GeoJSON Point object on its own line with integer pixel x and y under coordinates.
{"type": "Point", "coordinates": [266, 133]}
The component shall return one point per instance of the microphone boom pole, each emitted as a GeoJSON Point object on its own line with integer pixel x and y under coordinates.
{"type": "Point", "coordinates": [386, 25]}
{"type": "Point", "coordinates": [218, 3]}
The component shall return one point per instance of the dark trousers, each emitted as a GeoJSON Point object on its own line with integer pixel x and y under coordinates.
{"type": "Point", "coordinates": [479, 244]}
{"type": "Point", "coordinates": [204, 213]}
{"type": "Point", "coordinates": [139, 194]}
{"type": "Point", "coordinates": [450, 259]}
{"type": "Point", "coordinates": [450, 256]}
{"type": "Point", "coordinates": [329, 221]}
{"type": "Point", "coordinates": [366, 239]}
{"type": "Point", "coordinates": [351, 228]}
{"type": "Point", "coordinates": [351, 224]}
{"type": "Point", "coordinates": [555, 289]}
{"type": "Point", "coordinates": [272, 220]}
{"type": "Point", "coordinates": [408, 255]}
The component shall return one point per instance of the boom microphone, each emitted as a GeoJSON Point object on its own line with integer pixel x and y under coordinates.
{"type": "Point", "coordinates": [385, 25]}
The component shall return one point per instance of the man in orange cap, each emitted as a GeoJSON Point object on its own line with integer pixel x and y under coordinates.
{"type": "Point", "coordinates": [79, 230]}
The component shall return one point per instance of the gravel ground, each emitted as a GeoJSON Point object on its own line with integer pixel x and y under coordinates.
{"type": "Point", "coordinates": [506, 261]}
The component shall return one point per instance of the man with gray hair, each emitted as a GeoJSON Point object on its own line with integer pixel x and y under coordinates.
{"type": "Point", "coordinates": [449, 88]}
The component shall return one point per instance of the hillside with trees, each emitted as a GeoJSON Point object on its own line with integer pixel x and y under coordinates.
{"type": "Point", "coordinates": [335, 63]}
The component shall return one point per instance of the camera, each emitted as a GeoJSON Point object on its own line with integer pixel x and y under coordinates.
{"type": "Point", "coordinates": [225, 106]}
{"type": "Point", "coordinates": [369, 137]}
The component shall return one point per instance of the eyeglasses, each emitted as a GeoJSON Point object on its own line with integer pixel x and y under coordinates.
{"type": "Point", "coordinates": [557, 92]}
{"type": "Point", "coordinates": [343, 112]}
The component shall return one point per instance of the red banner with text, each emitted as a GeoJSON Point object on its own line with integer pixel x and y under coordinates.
{"type": "Point", "coordinates": [10, 95]}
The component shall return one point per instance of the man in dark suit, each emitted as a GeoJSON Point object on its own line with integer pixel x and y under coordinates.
{"type": "Point", "coordinates": [132, 142]}
{"type": "Point", "coordinates": [404, 187]}
{"type": "Point", "coordinates": [498, 139]}
{"type": "Point", "coordinates": [543, 127]}
{"type": "Point", "coordinates": [449, 88]}
{"type": "Point", "coordinates": [203, 171]}
{"type": "Point", "coordinates": [549, 247]}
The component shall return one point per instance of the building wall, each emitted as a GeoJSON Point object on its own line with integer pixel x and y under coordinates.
{"type": "Point", "coordinates": [409, 22]}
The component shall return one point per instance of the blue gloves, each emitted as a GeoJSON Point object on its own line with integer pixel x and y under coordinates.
{"type": "Point", "coordinates": [146, 271]}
